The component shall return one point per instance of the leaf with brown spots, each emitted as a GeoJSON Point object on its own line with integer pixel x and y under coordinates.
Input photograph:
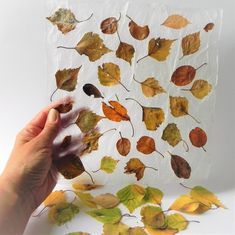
{"type": "Point", "coordinates": [110, 25]}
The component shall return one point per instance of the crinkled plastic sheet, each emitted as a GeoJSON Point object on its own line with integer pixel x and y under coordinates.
{"type": "Point", "coordinates": [153, 14]}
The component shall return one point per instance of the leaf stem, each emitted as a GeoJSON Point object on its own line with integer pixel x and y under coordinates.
{"type": "Point", "coordinates": [204, 148]}
{"type": "Point", "coordinates": [69, 48]}
{"type": "Point", "coordinates": [124, 86]}
{"type": "Point", "coordinates": [41, 212]}
{"type": "Point", "coordinates": [135, 101]}
{"type": "Point", "coordinates": [197, 121]}
{"type": "Point", "coordinates": [117, 97]}
{"type": "Point", "coordinates": [92, 180]}
{"type": "Point", "coordinates": [136, 80]}
{"type": "Point", "coordinates": [185, 144]}
{"type": "Point", "coordinates": [160, 153]}
{"type": "Point", "coordinates": [120, 16]}
{"type": "Point", "coordinates": [149, 167]}
{"type": "Point", "coordinates": [120, 133]}
{"type": "Point", "coordinates": [186, 89]}
{"type": "Point", "coordinates": [133, 130]}
{"type": "Point", "coordinates": [128, 215]}
{"type": "Point", "coordinates": [129, 18]}
{"type": "Point", "coordinates": [142, 58]}
{"type": "Point", "coordinates": [96, 171]}
{"type": "Point", "coordinates": [81, 21]}
{"type": "Point", "coordinates": [119, 36]}
{"type": "Point", "coordinates": [185, 186]}
{"type": "Point", "coordinates": [69, 125]}
{"type": "Point", "coordinates": [53, 94]}
{"type": "Point", "coordinates": [201, 66]}
{"type": "Point", "coordinates": [113, 129]}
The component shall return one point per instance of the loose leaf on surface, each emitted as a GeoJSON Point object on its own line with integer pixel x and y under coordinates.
{"type": "Point", "coordinates": [153, 195]}
{"type": "Point", "coordinates": [92, 90]}
{"type": "Point", "coordinates": [176, 22]}
{"type": "Point", "coordinates": [209, 27]}
{"type": "Point", "coordinates": [85, 187]}
{"type": "Point", "coordinates": [198, 138]}
{"type": "Point", "coordinates": [123, 145]}
{"type": "Point", "coordinates": [107, 200]}
{"type": "Point", "coordinates": [87, 199]}
{"type": "Point", "coordinates": [108, 165]}
{"type": "Point", "coordinates": [126, 52]}
{"type": "Point", "coordinates": [115, 229]}
{"type": "Point", "coordinates": [177, 221]}
{"type": "Point", "coordinates": [110, 25]}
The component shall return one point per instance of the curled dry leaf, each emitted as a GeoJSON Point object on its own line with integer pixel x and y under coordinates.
{"type": "Point", "coordinates": [138, 32]}
{"type": "Point", "coordinates": [90, 45]}
{"type": "Point", "coordinates": [108, 165]}
{"type": "Point", "coordinates": [209, 27]}
{"type": "Point", "coordinates": [131, 196]}
{"type": "Point", "coordinates": [176, 22]}
{"type": "Point", "coordinates": [66, 80]}
{"type": "Point", "coordinates": [54, 198]}
{"type": "Point", "coordinates": [158, 49]}
{"type": "Point", "coordinates": [151, 87]}
{"type": "Point", "coordinates": [107, 200]}
{"type": "Point", "coordinates": [152, 117]}
{"type": "Point", "coordinates": [146, 145]}
{"type": "Point", "coordinates": [125, 51]}
{"type": "Point", "coordinates": [65, 20]}
{"type": "Point", "coordinates": [135, 166]}
{"type": "Point", "coordinates": [87, 120]}
{"type": "Point", "coordinates": [172, 135]}
{"type": "Point", "coordinates": [66, 142]}
{"type": "Point", "coordinates": [191, 44]}
{"type": "Point", "coordinates": [92, 90]}
{"type": "Point", "coordinates": [179, 107]}
{"type": "Point", "coordinates": [110, 25]}
{"type": "Point", "coordinates": [110, 75]}
{"type": "Point", "coordinates": [62, 213]}
{"type": "Point", "coordinates": [198, 138]}
{"type": "Point", "coordinates": [200, 89]}
{"type": "Point", "coordinates": [184, 75]}
{"type": "Point", "coordinates": [123, 146]}
{"type": "Point", "coordinates": [116, 113]}
{"type": "Point", "coordinates": [180, 166]}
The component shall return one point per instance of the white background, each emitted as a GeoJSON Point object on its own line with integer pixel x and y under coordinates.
{"type": "Point", "coordinates": [23, 94]}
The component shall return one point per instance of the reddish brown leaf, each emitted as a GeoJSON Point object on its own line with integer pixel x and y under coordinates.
{"type": "Point", "coordinates": [64, 108]}
{"type": "Point", "coordinates": [66, 142]}
{"type": "Point", "coordinates": [109, 25]}
{"type": "Point", "coordinates": [123, 146]}
{"type": "Point", "coordinates": [209, 27]}
{"type": "Point", "coordinates": [198, 138]}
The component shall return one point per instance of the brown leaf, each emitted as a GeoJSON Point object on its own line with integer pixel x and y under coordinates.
{"type": "Point", "coordinates": [146, 145]}
{"type": "Point", "coordinates": [66, 142]}
{"type": "Point", "coordinates": [135, 166]}
{"type": "Point", "coordinates": [180, 166]}
{"type": "Point", "coordinates": [125, 51]}
{"type": "Point", "coordinates": [109, 25]}
{"type": "Point", "coordinates": [65, 108]}
{"type": "Point", "coordinates": [90, 90]}
{"type": "Point", "coordinates": [209, 27]}
{"type": "Point", "coordinates": [123, 146]}
{"type": "Point", "coordinates": [176, 22]}
{"type": "Point", "coordinates": [107, 200]}
{"type": "Point", "coordinates": [138, 32]}
{"type": "Point", "coordinates": [198, 138]}
{"type": "Point", "coordinates": [178, 106]}
{"type": "Point", "coordinates": [191, 44]}
{"type": "Point", "coordinates": [70, 166]}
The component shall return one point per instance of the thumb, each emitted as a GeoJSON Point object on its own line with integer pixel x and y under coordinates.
{"type": "Point", "coordinates": [51, 128]}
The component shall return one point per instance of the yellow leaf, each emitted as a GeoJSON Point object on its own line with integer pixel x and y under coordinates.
{"type": "Point", "coordinates": [135, 231]}
{"type": "Point", "coordinates": [108, 164]}
{"type": "Point", "coordinates": [185, 204]}
{"type": "Point", "coordinates": [153, 231]}
{"type": "Point", "coordinates": [153, 195]}
{"type": "Point", "coordinates": [131, 196]}
{"type": "Point", "coordinates": [135, 166]}
{"type": "Point", "coordinates": [205, 197]}
{"type": "Point", "coordinates": [125, 51]}
{"type": "Point", "coordinates": [115, 229]}
{"type": "Point", "coordinates": [176, 22]}
{"type": "Point", "coordinates": [92, 46]}
{"type": "Point", "coordinates": [107, 200]}
{"type": "Point", "coordinates": [179, 106]}
{"type": "Point", "coordinates": [87, 199]}
{"type": "Point", "coordinates": [191, 43]}
{"type": "Point", "coordinates": [109, 74]}
{"type": "Point", "coordinates": [85, 187]}
{"type": "Point", "coordinates": [55, 198]}
{"type": "Point", "coordinates": [177, 221]}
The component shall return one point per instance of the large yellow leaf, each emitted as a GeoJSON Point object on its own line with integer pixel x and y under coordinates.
{"type": "Point", "coordinates": [107, 200]}
{"type": "Point", "coordinates": [55, 198]}
{"type": "Point", "coordinates": [176, 22]}
{"type": "Point", "coordinates": [177, 221]}
{"type": "Point", "coordinates": [153, 195]}
{"type": "Point", "coordinates": [153, 231]}
{"type": "Point", "coordinates": [109, 74]}
{"type": "Point", "coordinates": [115, 229]}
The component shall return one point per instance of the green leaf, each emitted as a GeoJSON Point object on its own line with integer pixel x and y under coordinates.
{"type": "Point", "coordinates": [108, 164]}
{"type": "Point", "coordinates": [87, 199]}
{"type": "Point", "coordinates": [131, 196]}
{"type": "Point", "coordinates": [153, 195]}
{"type": "Point", "coordinates": [172, 135]}
{"type": "Point", "coordinates": [106, 216]}
{"type": "Point", "coordinates": [177, 221]}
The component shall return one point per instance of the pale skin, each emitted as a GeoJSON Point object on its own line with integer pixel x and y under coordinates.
{"type": "Point", "coordinates": [29, 176]}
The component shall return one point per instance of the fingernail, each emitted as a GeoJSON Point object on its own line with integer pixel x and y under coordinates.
{"type": "Point", "coordinates": [52, 116]}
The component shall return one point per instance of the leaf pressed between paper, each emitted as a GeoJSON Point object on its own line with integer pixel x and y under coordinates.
{"type": "Point", "coordinates": [176, 22]}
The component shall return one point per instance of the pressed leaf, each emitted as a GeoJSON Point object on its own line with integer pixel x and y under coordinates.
{"type": "Point", "coordinates": [108, 164]}
{"type": "Point", "coordinates": [92, 90]}
{"type": "Point", "coordinates": [153, 216]}
{"type": "Point", "coordinates": [55, 198]}
{"type": "Point", "coordinates": [185, 74]}
{"type": "Point", "coordinates": [200, 89]}
{"type": "Point", "coordinates": [109, 25]}
{"type": "Point", "coordinates": [125, 51]}
{"type": "Point", "coordinates": [191, 43]}
{"type": "Point", "coordinates": [85, 187]}
{"type": "Point", "coordinates": [107, 200]}
{"type": "Point", "coordinates": [115, 229]}
{"type": "Point", "coordinates": [153, 231]}
{"type": "Point", "coordinates": [153, 195]}
{"type": "Point", "coordinates": [205, 197]}
{"type": "Point", "coordinates": [123, 146]}
{"type": "Point", "coordinates": [66, 142]}
{"type": "Point", "coordinates": [176, 22]}
{"type": "Point", "coordinates": [138, 32]}
{"type": "Point", "coordinates": [70, 166]}
{"type": "Point", "coordinates": [106, 216]}
{"type": "Point", "coordinates": [87, 120]}
{"type": "Point", "coordinates": [136, 231]}
{"type": "Point", "coordinates": [177, 221]}
{"type": "Point", "coordinates": [209, 27]}
{"type": "Point", "coordinates": [180, 166]}
{"type": "Point", "coordinates": [87, 199]}
{"type": "Point", "coordinates": [198, 137]}
{"type": "Point", "coordinates": [62, 213]}
{"type": "Point", "coordinates": [131, 196]}
{"type": "Point", "coordinates": [151, 87]}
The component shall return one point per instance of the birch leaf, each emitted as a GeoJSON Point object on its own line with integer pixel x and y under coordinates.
{"type": "Point", "coordinates": [172, 134]}
{"type": "Point", "coordinates": [179, 106]}
{"type": "Point", "coordinates": [107, 200]}
{"type": "Point", "coordinates": [136, 231]}
{"type": "Point", "coordinates": [131, 196]}
{"type": "Point", "coordinates": [176, 22]}
{"type": "Point", "coordinates": [115, 229]}
{"type": "Point", "coordinates": [109, 25]}
{"type": "Point", "coordinates": [106, 216]}
{"type": "Point", "coordinates": [87, 199]}
{"type": "Point", "coordinates": [153, 195]}
{"type": "Point", "coordinates": [55, 198]}
{"type": "Point", "coordinates": [108, 164]}
{"type": "Point", "coordinates": [198, 138]}
{"type": "Point", "coordinates": [85, 187]}
{"type": "Point", "coordinates": [153, 231]}
{"type": "Point", "coordinates": [191, 43]}
{"type": "Point", "coordinates": [135, 166]}
{"type": "Point", "coordinates": [62, 213]}
{"type": "Point", "coordinates": [125, 51]}
{"type": "Point", "coordinates": [123, 146]}
{"type": "Point", "coordinates": [177, 221]}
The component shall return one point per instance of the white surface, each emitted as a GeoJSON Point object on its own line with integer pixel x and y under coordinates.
{"type": "Point", "coordinates": [23, 86]}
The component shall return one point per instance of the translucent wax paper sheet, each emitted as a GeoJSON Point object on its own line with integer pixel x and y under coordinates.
{"type": "Point", "coordinates": [153, 14]}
